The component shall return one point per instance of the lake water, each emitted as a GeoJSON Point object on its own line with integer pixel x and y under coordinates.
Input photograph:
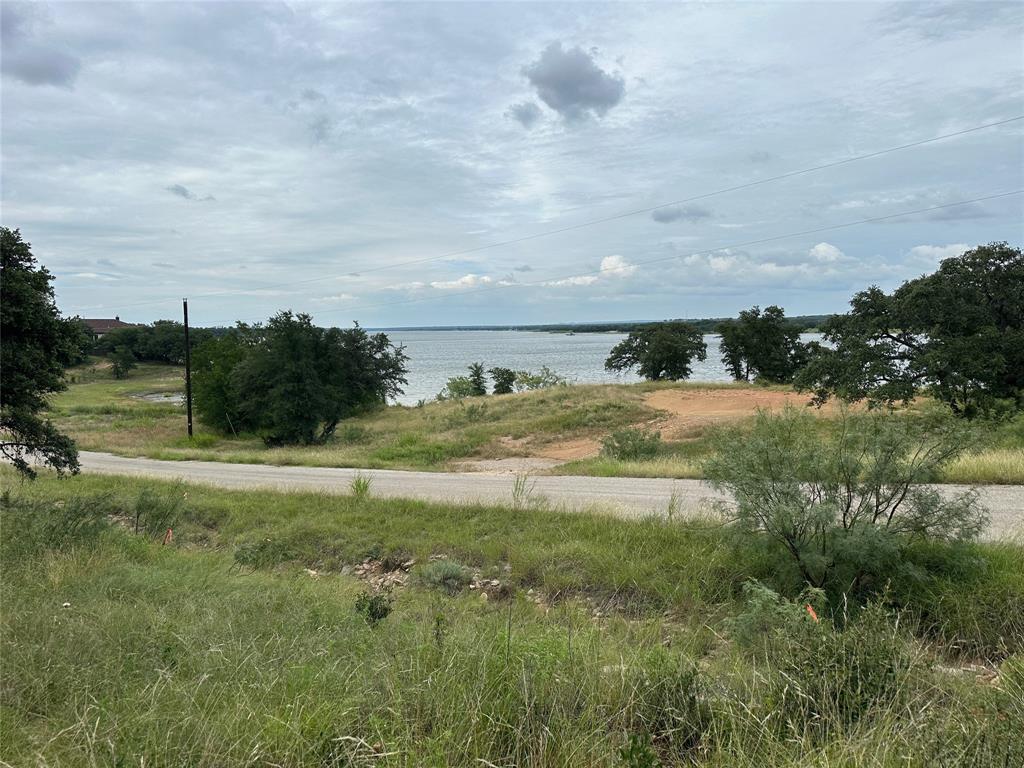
{"type": "Point", "coordinates": [436, 356]}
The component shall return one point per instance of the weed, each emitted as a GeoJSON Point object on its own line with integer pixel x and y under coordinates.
{"type": "Point", "coordinates": [360, 486]}
{"type": "Point", "coordinates": [373, 608]}
{"type": "Point", "coordinates": [522, 492]}
{"type": "Point", "coordinates": [639, 752]}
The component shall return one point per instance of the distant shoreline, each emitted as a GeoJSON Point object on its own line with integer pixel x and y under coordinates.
{"type": "Point", "coordinates": [807, 323]}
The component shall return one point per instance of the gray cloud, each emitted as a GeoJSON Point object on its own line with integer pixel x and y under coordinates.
{"type": "Point", "coordinates": [689, 213]}
{"type": "Point", "coordinates": [30, 61]}
{"type": "Point", "coordinates": [184, 192]}
{"type": "Point", "coordinates": [38, 65]}
{"type": "Point", "coordinates": [523, 268]}
{"type": "Point", "coordinates": [525, 112]}
{"type": "Point", "coordinates": [573, 85]}
{"type": "Point", "coordinates": [760, 156]}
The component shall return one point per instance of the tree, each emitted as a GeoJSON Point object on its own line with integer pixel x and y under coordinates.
{"type": "Point", "coordinates": [957, 333]}
{"type": "Point", "coordinates": [504, 380]}
{"type": "Point", "coordinates": [212, 364]}
{"type": "Point", "coordinates": [161, 342]}
{"type": "Point", "coordinates": [121, 361]}
{"type": "Point", "coordinates": [844, 507]}
{"type": "Point", "coordinates": [660, 351]}
{"type": "Point", "coordinates": [292, 382]}
{"type": "Point", "coordinates": [761, 344]}
{"type": "Point", "coordinates": [38, 344]}
{"type": "Point", "coordinates": [477, 379]}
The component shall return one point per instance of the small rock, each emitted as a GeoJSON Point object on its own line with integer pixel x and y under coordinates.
{"type": "Point", "coordinates": [495, 583]}
{"type": "Point", "coordinates": [311, 573]}
{"type": "Point", "coordinates": [529, 591]}
{"type": "Point", "coordinates": [65, 605]}
{"type": "Point", "coordinates": [483, 596]}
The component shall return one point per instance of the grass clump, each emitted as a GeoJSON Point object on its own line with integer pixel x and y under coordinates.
{"type": "Point", "coordinates": [447, 575]}
{"type": "Point", "coordinates": [631, 444]}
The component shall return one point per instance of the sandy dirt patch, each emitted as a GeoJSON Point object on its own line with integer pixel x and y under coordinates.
{"type": "Point", "coordinates": [511, 466]}
{"type": "Point", "coordinates": [688, 411]}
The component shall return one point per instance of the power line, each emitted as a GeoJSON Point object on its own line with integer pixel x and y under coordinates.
{"type": "Point", "coordinates": [592, 222]}
{"type": "Point", "coordinates": [760, 241]}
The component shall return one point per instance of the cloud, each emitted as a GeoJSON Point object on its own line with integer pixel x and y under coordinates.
{"type": "Point", "coordinates": [680, 213]}
{"type": "Point", "coordinates": [826, 253]}
{"type": "Point", "coordinates": [468, 281]}
{"type": "Point", "coordinates": [184, 192]}
{"type": "Point", "coordinates": [571, 83]}
{"type": "Point", "coordinates": [523, 268]}
{"type": "Point", "coordinates": [335, 298]}
{"type": "Point", "coordinates": [526, 112]}
{"type": "Point", "coordinates": [30, 61]}
{"type": "Point", "coordinates": [611, 267]}
{"type": "Point", "coordinates": [311, 94]}
{"type": "Point", "coordinates": [39, 65]}
{"type": "Point", "coordinates": [933, 254]}
{"type": "Point", "coordinates": [760, 156]}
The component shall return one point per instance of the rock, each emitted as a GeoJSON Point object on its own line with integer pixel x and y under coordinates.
{"type": "Point", "coordinates": [311, 573]}
{"type": "Point", "coordinates": [483, 596]}
{"type": "Point", "coordinates": [66, 605]}
{"type": "Point", "coordinates": [495, 583]}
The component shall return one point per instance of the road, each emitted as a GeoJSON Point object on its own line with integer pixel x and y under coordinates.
{"type": "Point", "coordinates": [622, 496]}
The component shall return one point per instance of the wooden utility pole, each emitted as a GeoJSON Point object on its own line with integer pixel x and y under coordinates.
{"type": "Point", "coordinates": [188, 371]}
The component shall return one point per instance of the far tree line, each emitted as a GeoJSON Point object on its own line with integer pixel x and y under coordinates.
{"type": "Point", "coordinates": [956, 334]}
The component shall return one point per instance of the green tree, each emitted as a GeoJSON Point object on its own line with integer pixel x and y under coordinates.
{"type": "Point", "coordinates": [293, 381]}
{"type": "Point", "coordinates": [477, 380]}
{"type": "Point", "coordinates": [659, 351]}
{"type": "Point", "coordinates": [844, 507]}
{"type": "Point", "coordinates": [763, 345]}
{"type": "Point", "coordinates": [957, 333]}
{"type": "Point", "coordinates": [37, 345]}
{"type": "Point", "coordinates": [122, 360]}
{"type": "Point", "coordinates": [504, 380]}
{"type": "Point", "coordinates": [161, 342]}
{"type": "Point", "coordinates": [212, 364]}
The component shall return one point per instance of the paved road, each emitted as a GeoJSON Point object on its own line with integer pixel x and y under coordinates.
{"type": "Point", "coordinates": [623, 496]}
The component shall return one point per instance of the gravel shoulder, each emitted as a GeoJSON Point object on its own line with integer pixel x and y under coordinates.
{"type": "Point", "coordinates": [622, 496]}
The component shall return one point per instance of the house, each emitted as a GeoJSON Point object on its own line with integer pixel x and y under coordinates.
{"type": "Point", "coordinates": [102, 325]}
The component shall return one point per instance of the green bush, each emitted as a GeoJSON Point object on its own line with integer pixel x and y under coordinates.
{"type": "Point", "coordinates": [446, 575]}
{"type": "Point", "coordinates": [373, 608]}
{"type": "Point", "coordinates": [844, 507]}
{"type": "Point", "coordinates": [631, 444]}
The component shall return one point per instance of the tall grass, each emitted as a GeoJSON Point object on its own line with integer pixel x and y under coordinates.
{"type": "Point", "coordinates": [119, 649]}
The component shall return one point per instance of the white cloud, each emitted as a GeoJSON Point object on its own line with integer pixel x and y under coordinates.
{"type": "Point", "coordinates": [933, 254]}
{"type": "Point", "coordinates": [826, 253]}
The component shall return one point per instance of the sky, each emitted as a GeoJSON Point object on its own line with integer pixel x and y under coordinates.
{"type": "Point", "coordinates": [415, 164]}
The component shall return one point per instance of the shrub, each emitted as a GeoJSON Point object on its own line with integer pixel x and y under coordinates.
{"type": "Point", "coordinates": [446, 575]}
{"type": "Point", "coordinates": [844, 507]}
{"type": "Point", "coordinates": [457, 388]}
{"type": "Point", "coordinates": [477, 380]}
{"type": "Point", "coordinates": [631, 444]}
{"type": "Point", "coordinates": [543, 379]}
{"type": "Point", "coordinates": [373, 608]}
{"type": "Point", "coordinates": [122, 360]}
{"type": "Point", "coordinates": [504, 380]}
{"type": "Point", "coordinates": [817, 677]}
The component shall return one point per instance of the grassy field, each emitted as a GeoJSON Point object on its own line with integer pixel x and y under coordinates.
{"type": "Point", "coordinates": [107, 414]}
{"type": "Point", "coordinates": [238, 642]}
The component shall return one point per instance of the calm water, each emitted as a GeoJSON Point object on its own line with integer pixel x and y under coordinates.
{"type": "Point", "coordinates": [435, 356]}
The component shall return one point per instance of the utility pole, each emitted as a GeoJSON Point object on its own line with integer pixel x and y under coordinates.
{"type": "Point", "coordinates": [188, 371]}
